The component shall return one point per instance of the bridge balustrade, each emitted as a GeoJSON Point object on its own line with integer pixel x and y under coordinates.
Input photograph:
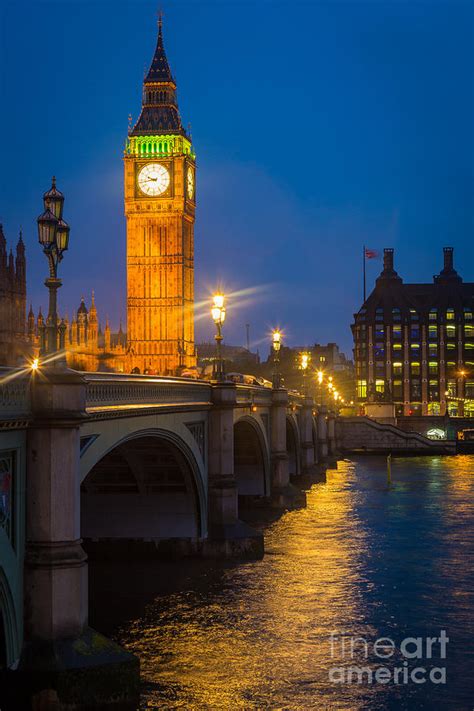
{"type": "Point", "coordinates": [14, 394]}
{"type": "Point", "coordinates": [114, 391]}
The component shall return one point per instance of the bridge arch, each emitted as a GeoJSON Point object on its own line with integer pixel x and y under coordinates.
{"type": "Point", "coordinates": [293, 446]}
{"type": "Point", "coordinates": [9, 641]}
{"type": "Point", "coordinates": [251, 458]}
{"type": "Point", "coordinates": [147, 486]}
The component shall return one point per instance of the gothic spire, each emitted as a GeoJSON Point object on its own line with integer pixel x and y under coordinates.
{"type": "Point", "coordinates": [159, 68]}
{"type": "Point", "coordinates": [160, 112]}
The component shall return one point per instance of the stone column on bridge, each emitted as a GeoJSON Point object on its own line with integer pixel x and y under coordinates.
{"type": "Point", "coordinates": [308, 455]}
{"type": "Point", "coordinates": [283, 493]}
{"type": "Point", "coordinates": [63, 661]}
{"type": "Point", "coordinates": [322, 434]}
{"type": "Point", "coordinates": [227, 534]}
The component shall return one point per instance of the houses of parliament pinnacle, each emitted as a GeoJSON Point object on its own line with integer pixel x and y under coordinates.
{"type": "Point", "coordinates": [160, 202]}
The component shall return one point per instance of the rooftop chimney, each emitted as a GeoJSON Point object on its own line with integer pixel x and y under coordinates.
{"type": "Point", "coordinates": [448, 259]}
{"type": "Point", "coordinates": [448, 273]}
{"type": "Point", "coordinates": [388, 259]}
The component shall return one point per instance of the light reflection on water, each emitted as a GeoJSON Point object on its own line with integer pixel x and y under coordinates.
{"type": "Point", "coordinates": [362, 559]}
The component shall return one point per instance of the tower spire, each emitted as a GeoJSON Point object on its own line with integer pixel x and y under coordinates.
{"type": "Point", "coordinates": [159, 112]}
{"type": "Point", "coordinates": [159, 69]}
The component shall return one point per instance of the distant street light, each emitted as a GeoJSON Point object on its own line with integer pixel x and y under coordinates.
{"type": "Point", "coordinates": [304, 363]}
{"type": "Point", "coordinates": [320, 378]}
{"type": "Point", "coordinates": [218, 316]}
{"type": "Point", "coordinates": [53, 235]}
{"type": "Point", "coordinates": [276, 342]}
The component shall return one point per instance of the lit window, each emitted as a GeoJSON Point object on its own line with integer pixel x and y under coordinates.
{"type": "Point", "coordinates": [432, 332]}
{"type": "Point", "coordinates": [451, 367]}
{"type": "Point", "coordinates": [450, 330]}
{"type": "Point", "coordinates": [397, 333]}
{"type": "Point", "coordinates": [467, 314]}
{"type": "Point", "coordinates": [380, 386]}
{"type": "Point", "coordinates": [397, 390]}
{"type": "Point", "coordinates": [468, 330]}
{"type": "Point", "coordinates": [415, 368]}
{"type": "Point", "coordinates": [362, 388]}
{"type": "Point", "coordinates": [433, 367]}
{"type": "Point", "coordinates": [379, 331]}
{"type": "Point", "coordinates": [433, 315]}
{"type": "Point", "coordinates": [433, 349]}
{"type": "Point", "coordinates": [433, 390]}
{"type": "Point", "coordinates": [469, 408]}
{"type": "Point", "coordinates": [451, 388]}
{"type": "Point", "coordinates": [450, 315]}
{"type": "Point", "coordinates": [469, 345]}
{"type": "Point", "coordinates": [452, 408]}
{"type": "Point", "coordinates": [379, 350]}
{"type": "Point", "coordinates": [397, 368]}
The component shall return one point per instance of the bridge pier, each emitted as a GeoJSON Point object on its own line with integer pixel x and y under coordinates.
{"type": "Point", "coordinates": [63, 664]}
{"type": "Point", "coordinates": [283, 494]}
{"type": "Point", "coordinates": [227, 534]}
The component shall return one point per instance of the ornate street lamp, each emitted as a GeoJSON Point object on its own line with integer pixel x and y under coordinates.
{"type": "Point", "coordinates": [53, 235]}
{"type": "Point", "coordinates": [218, 316]}
{"type": "Point", "coordinates": [276, 343]}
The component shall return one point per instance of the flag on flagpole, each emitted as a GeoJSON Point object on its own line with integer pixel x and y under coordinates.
{"type": "Point", "coordinates": [371, 253]}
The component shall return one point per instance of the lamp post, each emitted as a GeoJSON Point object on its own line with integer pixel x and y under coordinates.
{"type": "Point", "coordinates": [320, 378]}
{"type": "Point", "coordinates": [53, 235]}
{"type": "Point", "coordinates": [304, 362]}
{"type": "Point", "coordinates": [218, 316]}
{"type": "Point", "coordinates": [276, 342]}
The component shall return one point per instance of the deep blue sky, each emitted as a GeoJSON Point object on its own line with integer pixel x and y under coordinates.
{"type": "Point", "coordinates": [317, 127]}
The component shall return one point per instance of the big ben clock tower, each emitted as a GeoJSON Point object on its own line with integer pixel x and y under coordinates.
{"type": "Point", "coordinates": [159, 207]}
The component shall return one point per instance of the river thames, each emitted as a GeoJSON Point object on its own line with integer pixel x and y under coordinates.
{"type": "Point", "coordinates": [366, 559]}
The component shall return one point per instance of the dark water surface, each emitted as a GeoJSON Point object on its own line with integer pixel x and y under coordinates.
{"type": "Point", "coordinates": [364, 559]}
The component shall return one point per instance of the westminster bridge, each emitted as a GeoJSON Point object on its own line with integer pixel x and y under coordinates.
{"type": "Point", "coordinates": [129, 465]}
{"type": "Point", "coordinates": [125, 465]}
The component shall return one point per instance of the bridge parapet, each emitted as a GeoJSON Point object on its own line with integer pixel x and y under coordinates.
{"type": "Point", "coordinates": [253, 395]}
{"type": "Point", "coordinates": [114, 391]}
{"type": "Point", "coordinates": [14, 395]}
{"type": "Point", "coordinates": [295, 400]}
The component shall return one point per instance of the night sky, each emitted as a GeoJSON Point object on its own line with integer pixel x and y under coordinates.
{"type": "Point", "coordinates": [318, 127]}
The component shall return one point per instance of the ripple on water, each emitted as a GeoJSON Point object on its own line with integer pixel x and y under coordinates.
{"type": "Point", "coordinates": [363, 558]}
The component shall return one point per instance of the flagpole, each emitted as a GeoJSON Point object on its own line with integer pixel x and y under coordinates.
{"type": "Point", "coordinates": [363, 268]}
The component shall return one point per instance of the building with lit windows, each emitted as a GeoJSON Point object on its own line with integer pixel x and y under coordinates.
{"type": "Point", "coordinates": [414, 343]}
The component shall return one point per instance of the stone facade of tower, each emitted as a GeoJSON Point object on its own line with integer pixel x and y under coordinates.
{"type": "Point", "coordinates": [13, 344]}
{"type": "Point", "coordinates": [159, 184]}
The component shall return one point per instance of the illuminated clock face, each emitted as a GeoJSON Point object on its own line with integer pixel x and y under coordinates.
{"type": "Point", "coordinates": [153, 179]}
{"type": "Point", "coordinates": [190, 183]}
